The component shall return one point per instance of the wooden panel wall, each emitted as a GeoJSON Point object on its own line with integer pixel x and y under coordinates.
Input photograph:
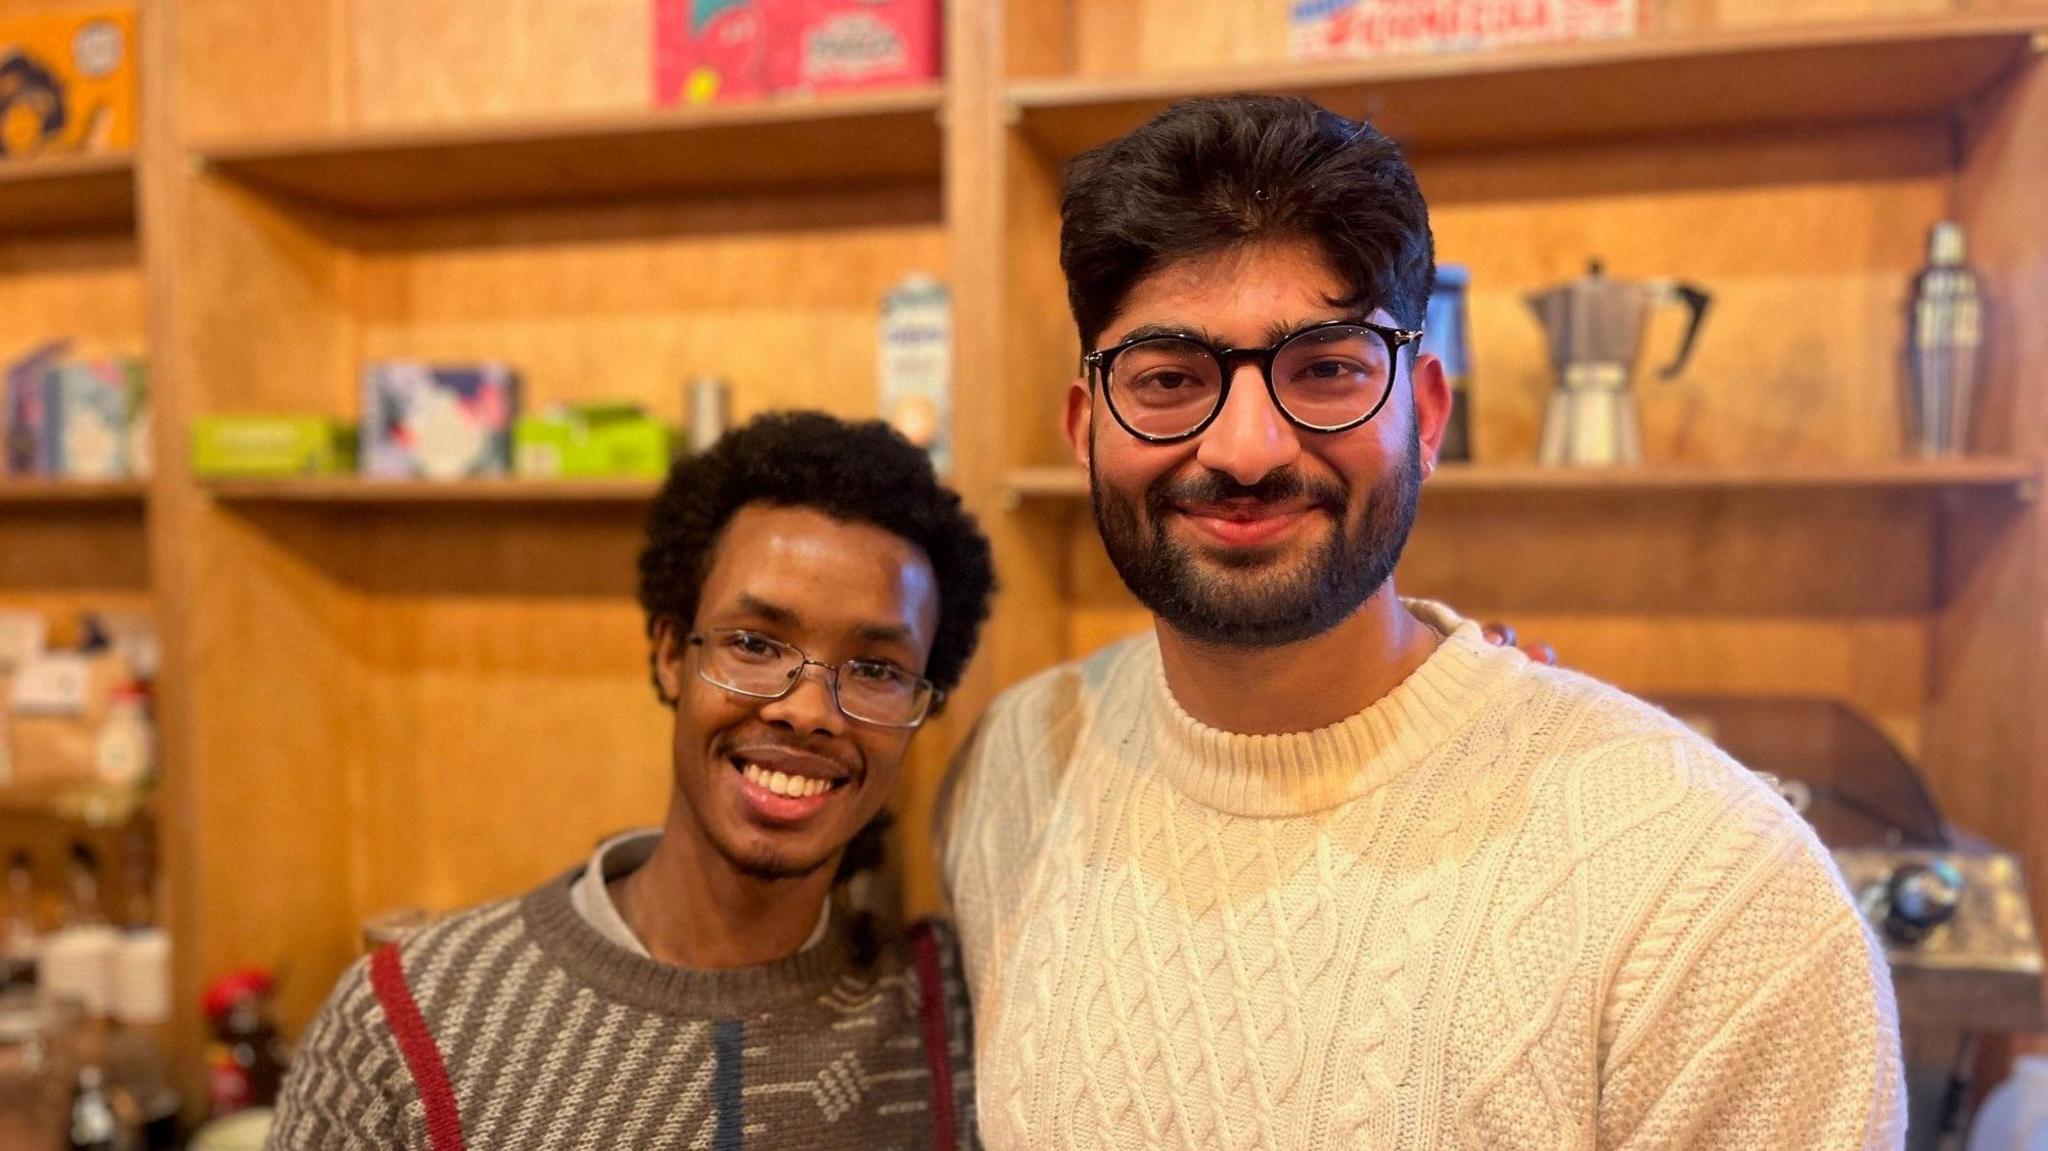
{"type": "Point", "coordinates": [88, 286]}
{"type": "Point", "coordinates": [251, 70]}
{"type": "Point", "coordinates": [1807, 240]}
{"type": "Point", "coordinates": [64, 561]}
{"type": "Point", "coordinates": [781, 297]}
{"type": "Point", "coordinates": [553, 57]}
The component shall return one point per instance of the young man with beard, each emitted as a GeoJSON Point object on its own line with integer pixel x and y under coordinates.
{"type": "Point", "coordinates": [811, 592]}
{"type": "Point", "coordinates": [1312, 866]}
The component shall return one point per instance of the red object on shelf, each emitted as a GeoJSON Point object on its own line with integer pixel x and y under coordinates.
{"type": "Point", "coordinates": [245, 1061]}
{"type": "Point", "coordinates": [838, 45]}
{"type": "Point", "coordinates": [224, 993]}
{"type": "Point", "coordinates": [708, 51]}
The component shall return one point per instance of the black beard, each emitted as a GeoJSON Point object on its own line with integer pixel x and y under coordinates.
{"type": "Point", "coordinates": [773, 867]}
{"type": "Point", "coordinates": [1260, 608]}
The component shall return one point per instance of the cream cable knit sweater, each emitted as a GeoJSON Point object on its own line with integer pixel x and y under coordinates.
{"type": "Point", "coordinates": [1505, 906]}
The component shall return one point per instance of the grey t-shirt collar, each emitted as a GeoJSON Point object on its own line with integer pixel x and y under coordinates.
{"type": "Point", "coordinates": [618, 857]}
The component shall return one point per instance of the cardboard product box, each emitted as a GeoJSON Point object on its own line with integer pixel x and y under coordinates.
{"type": "Point", "coordinates": [592, 442]}
{"type": "Point", "coordinates": [67, 81]}
{"type": "Point", "coordinates": [26, 422]}
{"type": "Point", "coordinates": [834, 45]}
{"type": "Point", "coordinates": [24, 636]}
{"type": "Point", "coordinates": [438, 422]}
{"type": "Point", "coordinates": [1335, 29]}
{"type": "Point", "coordinates": [269, 446]}
{"type": "Point", "coordinates": [91, 406]}
{"type": "Point", "coordinates": [56, 705]}
{"type": "Point", "coordinates": [916, 366]}
{"type": "Point", "coordinates": [706, 51]}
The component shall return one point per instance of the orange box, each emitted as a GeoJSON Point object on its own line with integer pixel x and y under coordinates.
{"type": "Point", "coordinates": [67, 81]}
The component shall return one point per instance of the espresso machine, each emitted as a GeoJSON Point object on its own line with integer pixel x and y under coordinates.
{"type": "Point", "coordinates": [1595, 327]}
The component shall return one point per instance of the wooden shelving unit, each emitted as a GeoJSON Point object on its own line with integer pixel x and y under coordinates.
{"type": "Point", "coordinates": [64, 193]}
{"type": "Point", "coordinates": [2019, 479]}
{"type": "Point", "coordinates": [1810, 76]}
{"type": "Point", "coordinates": [787, 145]}
{"type": "Point", "coordinates": [431, 694]}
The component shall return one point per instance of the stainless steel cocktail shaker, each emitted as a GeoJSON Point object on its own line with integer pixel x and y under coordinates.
{"type": "Point", "coordinates": [1944, 346]}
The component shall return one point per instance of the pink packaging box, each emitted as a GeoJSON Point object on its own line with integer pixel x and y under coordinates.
{"type": "Point", "coordinates": [707, 51]}
{"type": "Point", "coordinates": [833, 45]}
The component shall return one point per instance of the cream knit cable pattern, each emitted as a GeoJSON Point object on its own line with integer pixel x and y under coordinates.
{"type": "Point", "coordinates": [1505, 906]}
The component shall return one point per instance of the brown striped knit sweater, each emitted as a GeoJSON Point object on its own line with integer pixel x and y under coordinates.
{"type": "Point", "coordinates": [549, 1036]}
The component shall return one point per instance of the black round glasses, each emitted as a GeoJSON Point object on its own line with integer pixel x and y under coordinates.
{"type": "Point", "coordinates": [1328, 377]}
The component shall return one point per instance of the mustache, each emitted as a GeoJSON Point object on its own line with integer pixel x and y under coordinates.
{"type": "Point", "coordinates": [759, 740]}
{"type": "Point", "coordinates": [1208, 487]}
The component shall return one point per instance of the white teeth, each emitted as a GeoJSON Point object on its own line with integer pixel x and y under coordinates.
{"type": "Point", "coordinates": [778, 783]}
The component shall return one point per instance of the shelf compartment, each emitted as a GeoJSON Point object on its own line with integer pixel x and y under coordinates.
{"type": "Point", "coordinates": [1587, 92]}
{"type": "Point", "coordinates": [787, 145]}
{"type": "Point", "coordinates": [2018, 478]}
{"type": "Point", "coordinates": [67, 193]}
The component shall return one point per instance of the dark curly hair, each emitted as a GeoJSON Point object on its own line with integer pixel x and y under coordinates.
{"type": "Point", "coordinates": [854, 472]}
{"type": "Point", "coordinates": [1209, 175]}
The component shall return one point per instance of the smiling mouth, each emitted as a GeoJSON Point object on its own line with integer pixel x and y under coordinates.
{"type": "Point", "coordinates": [785, 784]}
{"type": "Point", "coordinates": [1245, 523]}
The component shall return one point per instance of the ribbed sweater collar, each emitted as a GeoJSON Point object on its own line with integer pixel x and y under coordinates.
{"type": "Point", "coordinates": [1300, 773]}
{"type": "Point", "coordinates": [589, 958]}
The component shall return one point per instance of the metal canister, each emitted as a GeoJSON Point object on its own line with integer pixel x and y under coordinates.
{"type": "Point", "coordinates": [710, 403]}
{"type": "Point", "coordinates": [1944, 346]}
{"type": "Point", "coordinates": [1444, 335]}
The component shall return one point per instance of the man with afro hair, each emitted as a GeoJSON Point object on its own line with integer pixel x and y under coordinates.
{"type": "Point", "coordinates": [811, 593]}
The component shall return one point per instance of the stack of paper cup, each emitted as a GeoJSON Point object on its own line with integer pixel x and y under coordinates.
{"type": "Point", "coordinates": [78, 964]}
{"type": "Point", "coordinates": [142, 978]}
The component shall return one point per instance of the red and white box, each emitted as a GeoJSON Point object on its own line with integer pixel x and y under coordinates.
{"type": "Point", "coordinates": [835, 45]}
{"type": "Point", "coordinates": [1326, 29]}
{"type": "Point", "coordinates": [708, 51]}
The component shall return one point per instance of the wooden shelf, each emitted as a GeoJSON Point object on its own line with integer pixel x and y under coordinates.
{"type": "Point", "coordinates": [1612, 90]}
{"type": "Point", "coordinates": [354, 491]}
{"type": "Point", "coordinates": [2018, 478]}
{"type": "Point", "coordinates": [111, 493]}
{"type": "Point", "coordinates": [67, 193]}
{"type": "Point", "coordinates": [878, 138]}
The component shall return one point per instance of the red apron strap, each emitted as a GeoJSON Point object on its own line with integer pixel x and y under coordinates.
{"type": "Point", "coordinates": [924, 946]}
{"type": "Point", "coordinates": [416, 1043]}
